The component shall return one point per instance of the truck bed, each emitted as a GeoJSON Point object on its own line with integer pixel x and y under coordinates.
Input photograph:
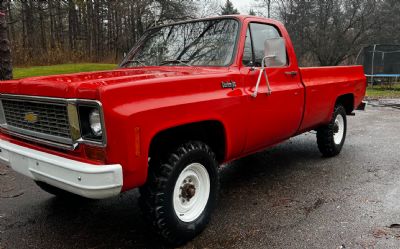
{"type": "Point", "coordinates": [323, 84]}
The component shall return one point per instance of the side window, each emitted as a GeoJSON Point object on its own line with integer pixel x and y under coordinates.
{"type": "Point", "coordinates": [248, 51]}
{"type": "Point", "coordinates": [260, 33]}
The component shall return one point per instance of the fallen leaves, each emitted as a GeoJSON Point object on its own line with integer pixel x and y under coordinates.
{"type": "Point", "coordinates": [284, 202]}
{"type": "Point", "coordinates": [317, 204]}
{"type": "Point", "coordinates": [392, 231]}
{"type": "Point", "coordinates": [8, 186]}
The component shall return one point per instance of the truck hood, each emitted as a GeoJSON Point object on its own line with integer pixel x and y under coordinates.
{"type": "Point", "coordinates": [88, 85]}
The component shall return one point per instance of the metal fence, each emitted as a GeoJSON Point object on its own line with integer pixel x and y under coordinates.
{"type": "Point", "coordinates": [381, 63]}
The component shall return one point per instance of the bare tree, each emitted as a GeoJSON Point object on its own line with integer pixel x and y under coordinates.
{"type": "Point", "coordinates": [328, 32]}
{"type": "Point", "coordinates": [325, 32]}
{"type": "Point", "coordinates": [266, 8]}
{"type": "Point", "coordinates": [268, 4]}
{"type": "Point", "coordinates": [389, 23]}
{"type": "Point", "coordinates": [52, 31]}
{"type": "Point", "coordinates": [206, 8]}
{"type": "Point", "coordinates": [5, 51]}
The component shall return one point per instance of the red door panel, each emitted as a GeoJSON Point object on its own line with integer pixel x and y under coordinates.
{"type": "Point", "coordinates": [275, 117]}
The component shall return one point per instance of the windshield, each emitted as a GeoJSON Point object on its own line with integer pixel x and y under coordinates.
{"type": "Point", "coordinates": [200, 43]}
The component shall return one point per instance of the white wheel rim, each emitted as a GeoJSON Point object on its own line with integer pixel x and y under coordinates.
{"type": "Point", "coordinates": [189, 204]}
{"type": "Point", "coordinates": [338, 129]}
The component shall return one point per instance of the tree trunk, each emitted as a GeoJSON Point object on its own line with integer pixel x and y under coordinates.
{"type": "Point", "coordinates": [268, 2]}
{"type": "Point", "coordinates": [5, 51]}
{"type": "Point", "coordinates": [43, 41]}
{"type": "Point", "coordinates": [60, 25]}
{"type": "Point", "coordinates": [52, 25]}
{"type": "Point", "coordinates": [30, 29]}
{"type": "Point", "coordinates": [71, 24]}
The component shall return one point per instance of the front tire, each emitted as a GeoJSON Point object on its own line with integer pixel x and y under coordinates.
{"type": "Point", "coordinates": [331, 137]}
{"type": "Point", "coordinates": [181, 192]}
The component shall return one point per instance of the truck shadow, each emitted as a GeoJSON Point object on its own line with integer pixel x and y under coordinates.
{"type": "Point", "coordinates": [118, 223]}
{"type": "Point", "coordinates": [112, 223]}
{"type": "Point", "coordinates": [271, 163]}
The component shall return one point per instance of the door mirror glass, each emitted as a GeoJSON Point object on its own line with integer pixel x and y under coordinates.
{"type": "Point", "coordinates": [275, 52]}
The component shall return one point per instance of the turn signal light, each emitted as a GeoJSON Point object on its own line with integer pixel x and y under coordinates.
{"type": "Point", "coordinates": [95, 153]}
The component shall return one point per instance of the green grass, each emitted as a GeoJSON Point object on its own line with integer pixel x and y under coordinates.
{"type": "Point", "coordinates": [383, 91]}
{"type": "Point", "coordinates": [372, 92]}
{"type": "Point", "coordinates": [60, 69]}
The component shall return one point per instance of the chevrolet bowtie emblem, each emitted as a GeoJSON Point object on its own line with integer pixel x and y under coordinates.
{"type": "Point", "coordinates": [31, 117]}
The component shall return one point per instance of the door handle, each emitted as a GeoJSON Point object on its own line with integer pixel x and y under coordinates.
{"type": "Point", "coordinates": [291, 73]}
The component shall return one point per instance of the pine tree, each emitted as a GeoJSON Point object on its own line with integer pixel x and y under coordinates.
{"type": "Point", "coordinates": [252, 12]}
{"type": "Point", "coordinates": [229, 9]}
{"type": "Point", "coordinates": [5, 51]}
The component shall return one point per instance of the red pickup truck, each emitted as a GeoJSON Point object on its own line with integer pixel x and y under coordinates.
{"type": "Point", "coordinates": [189, 97]}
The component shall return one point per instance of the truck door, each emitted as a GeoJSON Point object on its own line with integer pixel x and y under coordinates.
{"type": "Point", "coordinates": [275, 117]}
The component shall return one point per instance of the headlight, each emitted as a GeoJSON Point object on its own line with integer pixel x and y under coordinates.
{"type": "Point", "coordinates": [91, 122]}
{"type": "Point", "coordinates": [95, 123]}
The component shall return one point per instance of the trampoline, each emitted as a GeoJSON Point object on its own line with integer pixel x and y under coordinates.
{"type": "Point", "coordinates": [381, 63]}
{"type": "Point", "coordinates": [383, 79]}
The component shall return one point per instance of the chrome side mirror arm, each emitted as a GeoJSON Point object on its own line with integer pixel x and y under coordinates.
{"type": "Point", "coordinates": [263, 70]}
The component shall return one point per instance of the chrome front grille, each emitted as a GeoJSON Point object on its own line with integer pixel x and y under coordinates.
{"type": "Point", "coordinates": [51, 118]}
{"type": "Point", "coordinates": [50, 121]}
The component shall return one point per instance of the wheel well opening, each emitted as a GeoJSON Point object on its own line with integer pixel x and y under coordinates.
{"type": "Point", "coordinates": [347, 101]}
{"type": "Point", "coordinates": [210, 132]}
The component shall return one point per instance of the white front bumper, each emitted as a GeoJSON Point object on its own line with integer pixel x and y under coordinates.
{"type": "Point", "coordinates": [88, 180]}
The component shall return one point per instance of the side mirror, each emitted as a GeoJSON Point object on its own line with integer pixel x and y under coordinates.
{"type": "Point", "coordinates": [275, 52]}
{"type": "Point", "coordinates": [274, 56]}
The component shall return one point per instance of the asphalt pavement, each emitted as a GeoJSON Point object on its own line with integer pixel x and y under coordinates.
{"type": "Point", "coordinates": [284, 197]}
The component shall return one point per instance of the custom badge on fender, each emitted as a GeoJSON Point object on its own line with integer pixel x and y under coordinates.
{"type": "Point", "coordinates": [230, 84]}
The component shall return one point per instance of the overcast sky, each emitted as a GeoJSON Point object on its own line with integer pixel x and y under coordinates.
{"type": "Point", "coordinates": [242, 5]}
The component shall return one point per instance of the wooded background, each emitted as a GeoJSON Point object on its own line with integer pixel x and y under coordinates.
{"type": "Point", "coordinates": [324, 32]}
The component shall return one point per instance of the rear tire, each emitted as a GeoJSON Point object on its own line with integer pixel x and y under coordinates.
{"type": "Point", "coordinates": [181, 192]}
{"type": "Point", "coordinates": [331, 137]}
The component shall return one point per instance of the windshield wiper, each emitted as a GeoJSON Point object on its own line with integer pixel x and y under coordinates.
{"type": "Point", "coordinates": [175, 62]}
{"type": "Point", "coordinates": [133, 61]}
